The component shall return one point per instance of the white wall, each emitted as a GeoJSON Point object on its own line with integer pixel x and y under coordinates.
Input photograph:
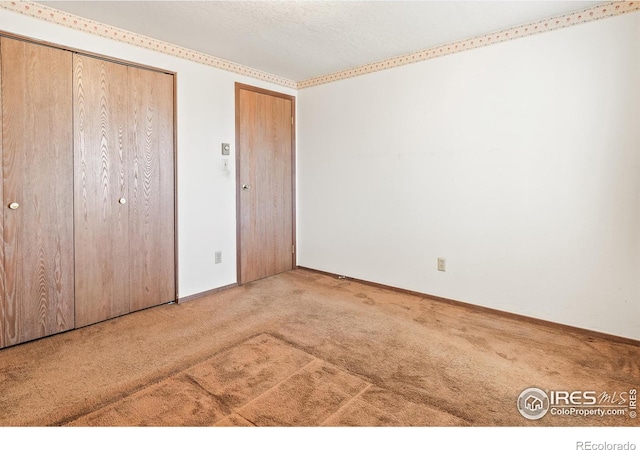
{"type": "Point", "coordinates": [206, 118]}
{"type": "Point", "coordinates": [518, 162]}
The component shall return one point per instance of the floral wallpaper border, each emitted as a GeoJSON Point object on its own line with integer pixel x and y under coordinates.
{"type": "Point", "coordinates": [48, 14]}
{"type": "Point", "coordinates": [91, 26]}
{"type": "Point", "coordinates": [587, 15]}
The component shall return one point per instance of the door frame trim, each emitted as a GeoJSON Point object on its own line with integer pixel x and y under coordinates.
{"type": "Point", "coordinates": [246, 87]}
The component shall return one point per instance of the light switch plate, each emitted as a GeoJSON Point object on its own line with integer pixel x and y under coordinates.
{"type": "Point", "coordinates": [226, 149]}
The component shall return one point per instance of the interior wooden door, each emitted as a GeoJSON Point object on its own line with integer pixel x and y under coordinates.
{"type": "Point", "coordinates": [151, 191]}
{"type": "Point", "coordinates": [102, 153]}
{"type": "Point", "coordinates": [37, 185]}
{"type": "Point", "coordinates": [265, 140]}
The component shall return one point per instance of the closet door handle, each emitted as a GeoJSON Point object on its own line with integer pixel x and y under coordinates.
{"type": "Point", "coordinates": [246, 187]}
{"type": "Point", "coordinates": [14, 205]}
{"type": "Point", "coordinates": [122, 201]}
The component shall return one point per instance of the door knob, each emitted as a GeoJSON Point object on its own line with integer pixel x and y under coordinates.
{"type": "Point", "coordinates": [246, 187]}
{"type": "Point", "coordinates": [122, 201]}
{"type": "Point", "coordinates": [14, 205]}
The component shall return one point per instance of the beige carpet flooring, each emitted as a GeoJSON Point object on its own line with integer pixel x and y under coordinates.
{"type": "Point", "coordinates": [306, 349]}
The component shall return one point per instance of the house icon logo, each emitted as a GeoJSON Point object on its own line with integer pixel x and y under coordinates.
{"type": "Point", "coordinates": [533, 403]}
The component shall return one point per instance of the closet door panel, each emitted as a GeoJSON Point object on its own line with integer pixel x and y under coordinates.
{"type": "Point", "coordinates": [151, 189]}
{"type": "Point", "coordinates": [37, 169]}
{"type": "Point", "coordinates": [101, 189]}
{"type": "Point", "coordinates": [4, 305]}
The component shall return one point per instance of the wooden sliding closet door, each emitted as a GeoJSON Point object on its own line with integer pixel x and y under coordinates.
{"type": "Point", "coordinates": [124, 205]}
{"type": "Point", "coordinates": [37, 192]}
{"type": "Point", "coordinates": [151, 190]}
{"type": "Point", "coordinates": [102, 152]}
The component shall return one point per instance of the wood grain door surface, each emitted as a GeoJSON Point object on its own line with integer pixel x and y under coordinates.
{"type": "Point", "coordinates": [265, 178]}
{"type": "Point", "coordinates": [124, 190]}
{"type": "Point", "coordinates": [102, 144]}
{"type": "Point", "coordinates": [88, 189]}
{"type": "Point", "coordinates": [151, 190]}
{"type": "Point", "coordinates": [37, 170]}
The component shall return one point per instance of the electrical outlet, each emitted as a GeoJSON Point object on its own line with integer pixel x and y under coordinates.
{"type": "Point", "coordinates": [218, 256]}
{"type": "Point", "coordinates": [442, 264]}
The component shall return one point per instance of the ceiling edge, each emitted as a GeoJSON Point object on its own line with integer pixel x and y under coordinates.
{"type": "Point", "coordinates": [611, 9]}
{"type": "Point", "coordinates": [68, 20]}
{"type": "Point", "coordinates": [28, 8]}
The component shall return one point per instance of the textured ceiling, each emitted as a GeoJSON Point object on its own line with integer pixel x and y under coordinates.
{"type": "Point", "coordinates": [299, 40]}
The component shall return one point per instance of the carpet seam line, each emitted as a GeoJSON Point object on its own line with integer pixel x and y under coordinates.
{"type": "Point", "coordinates": [345, 404]}
{"type": "Point", "coordinates": [314, 359]}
